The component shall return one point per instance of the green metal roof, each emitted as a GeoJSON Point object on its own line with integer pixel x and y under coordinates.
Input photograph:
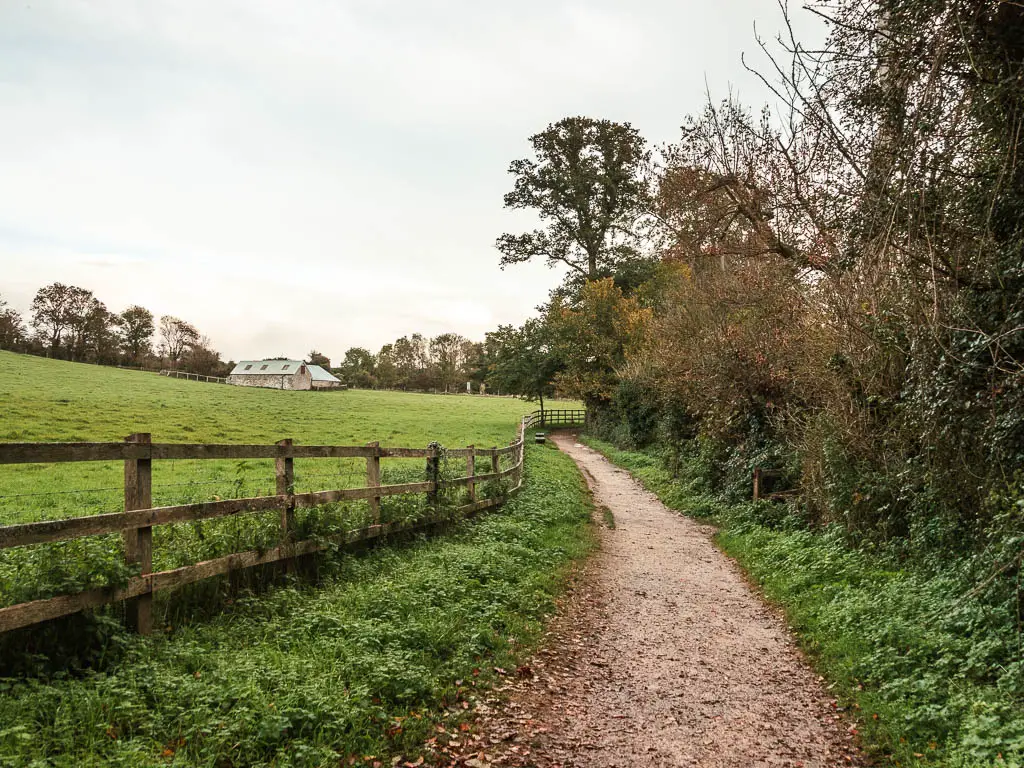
{"type": "Point", "coordinates": [322, 374]}
{"type": "Point", "coordinates": [267, 367]}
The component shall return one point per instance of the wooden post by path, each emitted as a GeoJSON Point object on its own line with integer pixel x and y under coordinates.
{"type": "Point", "coordinates": [284, 473]}
{"type": "Point", "coordinates": [138, 542]}
{"type": "Point", "coordinates": [433, 473]}
{"type": "Point", "coordinates": [471, 473]}
{"type": "Point", "coordinates": [757, 483]}
{"type": "Point", "coordinates": [515, 459]}
{"type": "Point", "coordinates": [373, 480]}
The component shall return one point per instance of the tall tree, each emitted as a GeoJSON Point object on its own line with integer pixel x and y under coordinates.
{"type": "Point", "coordinates": [136, 329]}
{"type": "Point", "coordinates": [11, 328]}
{"type": "Point", "coordinates": [584, 183]}
{"type": "Point", "coordinates": [202, 358]}
{"type": "Point", "coordinates": [177, 336]}
{"type": "Point", "coordinates": [316, 358]}
{"type": "Point", "coordinates": [476, 362]}
{"type": "Point", "coordinates": [386, 370]}
{"type": "Point", "coordinates": [94, 338]}
{"type": "Point", "coordinates": [357, 367]}
{"type": "Point", "coordinates": [524, 362]}
{"type": "Point", "coordinates": [12, 331]}
{"type": "Point", "coordinates": [448, 353]}
{"type": "Point", "coordinates": [406, 361]}
{"type": "Point", "coordinates": [55, 309]}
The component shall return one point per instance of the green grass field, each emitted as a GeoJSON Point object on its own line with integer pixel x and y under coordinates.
{"type": "Point", "coordinates": [357, 666]}
{"type": "Point", "coordinates": [364, 666]}
{"type": "Point", "coordinates": [47, 400]}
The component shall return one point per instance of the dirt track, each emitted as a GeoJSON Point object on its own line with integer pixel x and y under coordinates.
{"type": "Point", "coordinates": [663, 657]}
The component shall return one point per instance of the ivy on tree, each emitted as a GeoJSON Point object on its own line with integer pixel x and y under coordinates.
{"type": "Point", "coordinates": [585, 185]}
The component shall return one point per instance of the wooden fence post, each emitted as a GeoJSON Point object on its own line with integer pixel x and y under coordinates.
{"type": "Point", "coordinates": [471, 472]}
{"type": "Point", "coordinates": [138, 542]}
{"type": "Point", "coordinates": [433, 473]}
{"type": "Point", "coordinates": [757, 483]}
{"type": "Point", "coordinates": [515, 462]}
{"type": "Point", "coordinates": [373, 480]}
{"type": "Point", "coordinates": [495, 461]}
{"type": "Point", "coordinates": [284, 472]}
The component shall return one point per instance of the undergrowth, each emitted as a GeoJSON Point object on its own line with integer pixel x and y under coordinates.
{"type": "Point", "coordinates": [362, 666]}
{"type": "Point", "coordinates": [929, 664]}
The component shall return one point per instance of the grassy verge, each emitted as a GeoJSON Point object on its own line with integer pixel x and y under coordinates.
{"type": "Point", "coordinates": [361, 667]}
{"type": "Point", "coordinates": [932, 671]}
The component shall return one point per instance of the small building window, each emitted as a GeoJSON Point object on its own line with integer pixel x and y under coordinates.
{"type": "Point", "coordinates": [285, 367]}
{"type": "Point", "coordinates": [263, 367]}
{"type": "Point", "coordinates": [248, 367]}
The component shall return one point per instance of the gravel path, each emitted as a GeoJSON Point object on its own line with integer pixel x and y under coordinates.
{"type": "Point", "coordinates": [663, 656]}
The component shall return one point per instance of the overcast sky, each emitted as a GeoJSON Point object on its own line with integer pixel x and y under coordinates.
{"type": "Point", "coordinates": [319, 173]}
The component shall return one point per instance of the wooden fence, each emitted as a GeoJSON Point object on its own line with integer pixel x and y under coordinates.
{"type": "Point", "coordinates": [559, 418]}
{"type": "Point", "coordinates": [136, 522]}
{"type": "Point", "coordinates": [193, 376]}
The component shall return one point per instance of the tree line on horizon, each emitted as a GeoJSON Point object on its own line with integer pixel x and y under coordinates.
{"type": "Point", "coordinates": [70, 323]}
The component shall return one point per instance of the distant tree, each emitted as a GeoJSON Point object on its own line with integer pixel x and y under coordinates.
{"type": "Point", "coordinates": [475, 362]}
{"type": "Point", "coordinates": [357, 368]}
{"type": "Point", "coordinates": [56, 308]}
{"type": "Point", "coordinates": [12, 329]}
{"type": "Point", "coordinates": [89, 334]}
{"type": "Point", "coordinates": [386, 370]}
{"type": "Point", "coordinates": [406, 358]}
{"type": "Point", "coordinates": [177, 336]}
{"type": "Point", "coordinates": [585, 184]}
{"type": "Point", "coordinates": [524, 361]}
{"type": "Point", "coordinates": [93, 334]}
{"type": "Point", "coordinates": [421, 351]}
{"type": "Point", "coordinates": [316, 358]}
{"type": "Point", "coordinates": [202, 358]}
{"type": "Point", "coordinates": [136, 332]}
{"type": "Point", "coordinates": [447, 352]}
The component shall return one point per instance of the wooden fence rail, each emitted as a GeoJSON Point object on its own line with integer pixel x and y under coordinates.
{"type": "Point", "coordinates": [560, 418]}
{"type": "Point", "coordinates": [135, 523]}
{"type": "Point", "coordinates": [193, 376]}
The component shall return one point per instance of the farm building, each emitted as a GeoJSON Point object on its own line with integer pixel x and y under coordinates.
{"type": "Point", "coordinates": [275, 374]}
{"type": "Point", "coordinates": [324, 379]}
